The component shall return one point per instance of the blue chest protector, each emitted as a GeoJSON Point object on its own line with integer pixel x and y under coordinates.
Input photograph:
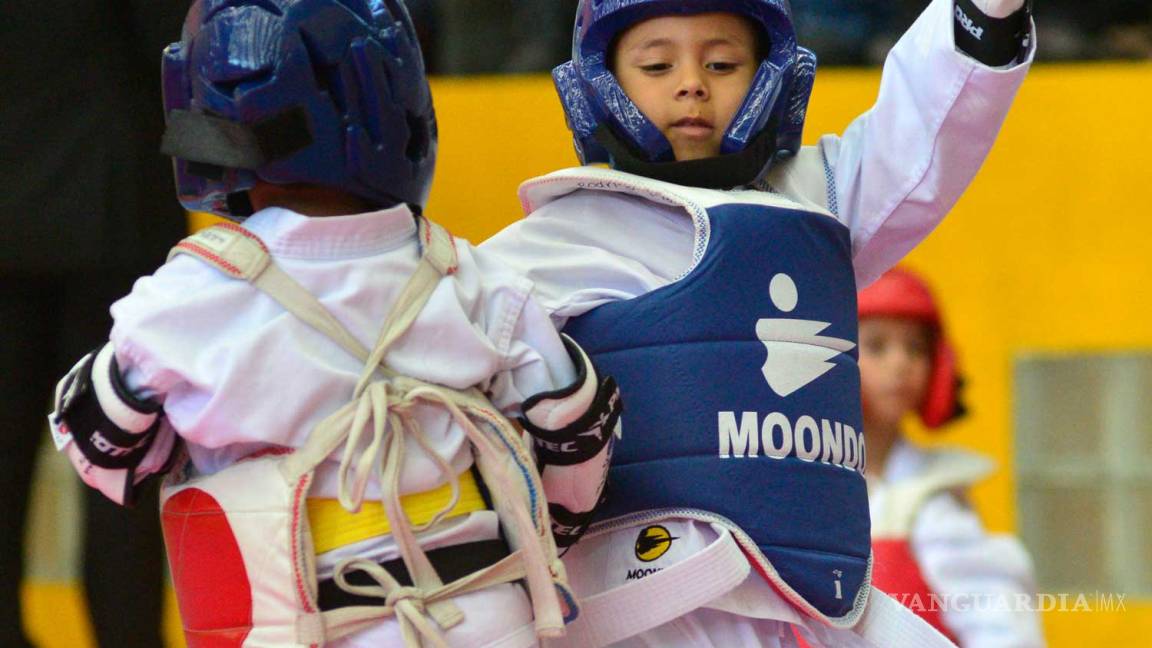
{"type": "Point", "coordinates": [743, 396]}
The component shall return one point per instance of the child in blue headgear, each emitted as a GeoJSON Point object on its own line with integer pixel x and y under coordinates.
{"type": "Point", "coordinates": [713, 270]}
{"type": "Point", "coordinates": [329, 375]}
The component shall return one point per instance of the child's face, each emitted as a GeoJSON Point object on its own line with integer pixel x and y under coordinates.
{"type": "Point", "coordinates": [688, 75]}
{"type": "Point", "coordinates": [895, 367]}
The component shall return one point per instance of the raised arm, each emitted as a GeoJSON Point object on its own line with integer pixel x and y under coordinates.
{"type": "Point", "coordinates": [945, 92]}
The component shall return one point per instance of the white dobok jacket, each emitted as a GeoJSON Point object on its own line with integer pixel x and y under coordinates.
{"type": "Point", "coordinates": [890, 178]}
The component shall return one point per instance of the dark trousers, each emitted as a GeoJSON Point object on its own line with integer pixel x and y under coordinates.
{"type": "Point", "coordinates": [47, 324]}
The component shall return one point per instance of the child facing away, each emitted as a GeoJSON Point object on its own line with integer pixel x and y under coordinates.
{"type": "Point", "coordinates": [713, 272]}
{"type": "Point", "coordinates": [930, 550]}
{"type": "Point", "coordinates": [336, 368]}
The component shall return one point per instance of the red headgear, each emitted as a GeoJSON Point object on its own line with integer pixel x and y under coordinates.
{"type": "Point", "coordinates": [900, 293]}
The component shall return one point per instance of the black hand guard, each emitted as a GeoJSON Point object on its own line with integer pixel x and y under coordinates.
{"type": "Point", "coordinates": [96, 408]}
{"type": "Point", "coordinates": [584, 438]}
{"type": "Point", "coordinates": [995, 42]}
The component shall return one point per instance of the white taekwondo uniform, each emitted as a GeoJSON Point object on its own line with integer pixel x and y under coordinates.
{"type": "Point", "coordinates": [889, 179]}
{"type": "Point", "coordinates": [238, 375]}
{"type": "Point", "coordinates": [983, 581]}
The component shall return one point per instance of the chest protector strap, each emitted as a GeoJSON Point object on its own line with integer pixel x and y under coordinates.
{"type": "Point", "coordinates": [949, 470]}
{"type": "Point", "coordinates": [373, 430]}
{"type": "Point", "coordinates": [895, 569]}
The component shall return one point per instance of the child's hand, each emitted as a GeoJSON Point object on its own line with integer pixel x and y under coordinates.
{"type": "Point", "coordinates": [998, 8]}
{"type": "Point", "coordinates": [106, 431]}
{"type": "Point", "coordinates": [573, 430]}
{"type": "Point", "coordinates": [116, 484]}
{"type": "Point", "coordinates": [572, 425]}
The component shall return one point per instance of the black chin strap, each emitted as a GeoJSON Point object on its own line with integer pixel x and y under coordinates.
{"type": "Point", "coordinates": [208, 141]}
{"type": "Point", "coordinates": [720, 172]}
{"type": "Point", "coordinates": [210, 145]}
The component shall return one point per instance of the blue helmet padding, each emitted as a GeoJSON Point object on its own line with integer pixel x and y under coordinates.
{"type": "Point", "coordinates": [592, 97]}
{"type": "Point", "coordinates": [793, 111]}
{"type": "Point", "coordinates": [353, 67]}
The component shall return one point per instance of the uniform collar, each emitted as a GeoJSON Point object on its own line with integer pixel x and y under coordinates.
{"type": "Point", "coordinates": [904, 460]}
{"type": "Point", "coordinates": [293, 235]}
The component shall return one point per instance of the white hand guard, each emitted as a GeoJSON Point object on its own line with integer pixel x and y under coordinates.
{"type": "Point", "coordinates": [105, 430]}
{"type": "Point", "coordinates": [573, 431]}
{"type": "Point", "coordinates": [999, 8]}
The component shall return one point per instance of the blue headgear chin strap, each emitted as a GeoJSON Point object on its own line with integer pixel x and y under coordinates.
{"type": "Point", "coordinates": [325, 92]}
{"type": "Point", "coordinates": [608, 127]}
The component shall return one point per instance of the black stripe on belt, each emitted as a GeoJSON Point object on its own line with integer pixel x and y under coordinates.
{"type": "Point", "coordinates": [451, 563]}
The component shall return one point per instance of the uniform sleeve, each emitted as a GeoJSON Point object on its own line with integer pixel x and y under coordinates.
{"type": "Point", "coordinates": [532, 357]}
{"type": "Point", "coordinates": [112, 403]}
{"type": "Point", "coordinates": [144, 339]}
{"type": "Point", "coordinates": [535, 360]}
{"type": "Point", "coordinates": [587, 249]}
{"type": "Point", "coordinates": [901, 166]}
{"type": "Point", "coordinates": [154, 338]}
{"type": "Point", "coordinates": [568, 410]}
{"type": "Point", "coordinates": [985, 579]}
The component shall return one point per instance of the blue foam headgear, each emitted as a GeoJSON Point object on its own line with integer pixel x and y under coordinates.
{"type": "Point", "coordinates": [325, 92]}
{"type": "Point", "coordinates": [608, 127]}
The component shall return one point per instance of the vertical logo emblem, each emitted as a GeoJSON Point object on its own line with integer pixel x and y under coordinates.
{"type": "Point", "coordinates": [797, 355]}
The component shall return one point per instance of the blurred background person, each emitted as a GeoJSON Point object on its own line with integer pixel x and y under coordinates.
{"type": "Point", "coordinates": [86, 205]}
{"type": "Point", "coordinates": [930, 549]}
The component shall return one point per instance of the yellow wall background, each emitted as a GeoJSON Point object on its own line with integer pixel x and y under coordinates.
{"type": "Point", "coordinates": [1050, 250]}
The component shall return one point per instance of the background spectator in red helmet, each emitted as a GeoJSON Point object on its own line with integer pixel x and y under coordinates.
{"type": "Point", "coordinates": [930, 550]}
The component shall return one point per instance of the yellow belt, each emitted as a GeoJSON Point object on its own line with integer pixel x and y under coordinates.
{"type": "Point", "coordinates": [333, 527]}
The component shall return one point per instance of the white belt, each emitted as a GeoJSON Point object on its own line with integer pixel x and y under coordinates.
{"type": "Point", "coordinates": [887, 623]}
{"type": "Point", "coordinates": [702, 579]}
{"type": "Point", "coordinates": [639, 606]}
{"type": "Point", "coordinates": [884, 624]}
